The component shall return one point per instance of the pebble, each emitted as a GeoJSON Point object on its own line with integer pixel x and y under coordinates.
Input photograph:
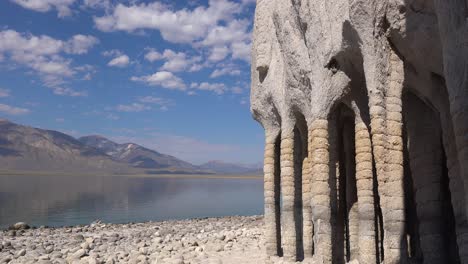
{"type": "Point", "coordinates": [196, 241]}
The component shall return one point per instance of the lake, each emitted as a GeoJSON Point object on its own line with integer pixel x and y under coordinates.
{"type": "Point", "coordinates": [73, 200]}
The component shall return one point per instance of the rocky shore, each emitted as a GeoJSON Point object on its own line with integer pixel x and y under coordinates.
{"type": "Point", "coordinates": [212, 240]}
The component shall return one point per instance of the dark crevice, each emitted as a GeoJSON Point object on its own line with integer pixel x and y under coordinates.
{"type": "Point", "coordinates": [378, 218]}
{"type": "Point", "coordinates": [449, 223]}
{"type": "Point", "coordinates": [277, 184]}
{"type": "Point", "coordinates": [333, 65]}
{"type": "Point", "coordinates": [262, 73]}
{"type": "Point", "coordinates": [412, 224]}
{"type": "Point", "coordinates": [298, 214]}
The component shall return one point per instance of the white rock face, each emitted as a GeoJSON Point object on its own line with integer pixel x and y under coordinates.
{"type": "Point", "coordinates": [365, 109]}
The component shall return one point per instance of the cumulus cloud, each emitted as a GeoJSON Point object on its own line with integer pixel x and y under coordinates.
{"type": "Point", "coordinates": [215, 27]}
{"type": "Point", "coordinates": [11, 110]}
{"type": "Point", "coordinates": [119, 61]}
{"type": "Point", "coordinates": [241, 50]}
{"type": "Point", "coordinates": [175, 61]}
{"type": "Point", "coordinates": [69, 92]}
{"type": "Point", "coordinates": [218, 88]}
{"type": "Point", "coordinates": [182, 26]}
{"type": "Point", "coordinates": [225, 70]}
{"type": "Point", "coordinates": [45, 55]}
{"type": "Point", "coordinates": [104, 4]}
{"type": "Point", "coordinates": [80, 44]}
{"type": "Point", "coordinates": [153, 56]}
{"type": "Point", "coordinates": [163, 103]}
{"type": "Point", "coordinates": [62, 6]}
{"type": "Point", "coordinates": [135, 107]}
{"type": "Point", "coordinates": [163, 79]}
{"type": "Point", "coordinates": [4, 93]}
{"type": "Point", "coordinates": [218, 53]}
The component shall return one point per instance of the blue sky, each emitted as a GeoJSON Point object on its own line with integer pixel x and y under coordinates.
{"type": "Point", "coordinates": [170, 75]}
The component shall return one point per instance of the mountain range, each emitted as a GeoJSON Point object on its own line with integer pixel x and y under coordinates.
{"type": "Point", "coordinates": [24, 148]}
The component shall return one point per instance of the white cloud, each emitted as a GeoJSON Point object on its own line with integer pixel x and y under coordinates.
{"type": "Point", "coordinates": [44, 55]}
{"type": "Point", "coordinates": [69, 92]}
{"type": "Point", "coordinates": [175, 61]}
{"type": "Point", "coordinates": [213, 27]}
{"type": "Point", "coordinates": [237, 90]}
{"type": "Point", "coordinates": [164, 79]}
{"type": "Point", "coordinates": [80, 44]}
{"type": "Point", "coordinates": [241, 50]}
{"type": "Point", "coordinates": [111, 53]}
{"type": "Point", "coordinates": [234, 31]}
{"type": "Point", "coordinates": [135, 107]}
{"type": "Point", "coordinates": [120, 61]}
{"type": "Point", "coordinates": [104, 4]}
{"type": "Point", "coordinates": [225, 70]}
{"type": "Point", "coordinates": [161, 102]}
{"type": "Point", "coordinates": [153, 56]}
{"type": "Point", "coordinates": [182, 26]}
{"type": "Point", "coordinates": [62, 6]}
{"type": "Point", "coordinates": [218, 53]}
{"type": "Point", "coordinates": [4, 93]}
{"type": "Point", "coordinates": [11, 110]}
{"type": "Point", "coordinates": [218, 88]}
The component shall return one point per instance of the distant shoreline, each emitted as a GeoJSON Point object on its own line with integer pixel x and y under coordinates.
{"type": "Point", "coordinates": [104, 174]}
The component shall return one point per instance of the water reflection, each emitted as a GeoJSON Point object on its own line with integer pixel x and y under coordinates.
{"type": "Point", "coordinates": [66, 200]}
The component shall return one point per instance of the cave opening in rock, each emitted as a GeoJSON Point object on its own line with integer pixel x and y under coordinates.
{"type": "Point", "coordinates": [300, 153]}
{"type": "Point", "coordinates": [348, 217]}
{"type": "Point", "coordinates": [430, 221]}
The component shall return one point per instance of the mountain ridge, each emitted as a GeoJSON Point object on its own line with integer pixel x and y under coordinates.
{"type": "Point", "coordinates": [26, 148]}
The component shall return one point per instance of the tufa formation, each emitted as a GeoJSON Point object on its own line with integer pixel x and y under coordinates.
{"type": "Point", "coordinates": [365, 109]}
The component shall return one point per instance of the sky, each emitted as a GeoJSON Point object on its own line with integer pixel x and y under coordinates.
{"type": "Point", "coordinates": [173, 76]}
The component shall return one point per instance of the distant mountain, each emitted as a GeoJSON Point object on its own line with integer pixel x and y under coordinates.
{"type": "Point", "coordinates": [218, 166]}
{"type": "Point", "coordinates": [136, 155]}
{"type": "Point", "coordinates": [25, 148]}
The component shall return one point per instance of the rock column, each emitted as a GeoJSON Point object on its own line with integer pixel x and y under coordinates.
{"type": "Point", "coordinates": [272, 194]}
{"type": "Point", "coordinates": [306, 209]}
{"type": "Point", "coordinates": [320, 189]}
{"type": "Point", "coordinates": [364, 183]}
{"type": "Point", "coordinates": [288, 194]}
{"type": "Point", "coordinates": [394, 217]}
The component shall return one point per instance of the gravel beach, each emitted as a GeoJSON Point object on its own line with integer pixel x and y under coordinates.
{"type": "Point", "coordinates": [210, 240]}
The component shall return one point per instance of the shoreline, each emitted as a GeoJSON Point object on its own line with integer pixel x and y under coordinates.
{"type": "Point", "coordinates": [165, 176]}
{"type": "Point", "coordinates": [231, 239]}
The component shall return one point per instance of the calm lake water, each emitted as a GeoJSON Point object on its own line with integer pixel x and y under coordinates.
{"type": "Point", "coordinates": [68, 200]}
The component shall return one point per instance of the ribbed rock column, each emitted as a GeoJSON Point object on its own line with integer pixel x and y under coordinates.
{"type": "Point", "coordinates": [306, 209]}
{"type": "Point", "coordinates": [271, 192]}
{"type": "Point", "coordinates": [288, 194]}
{"type": "Point", "coordinates": [320, 189]}
{"type": "Point", "coordinates": [394, 217]}
{"type": "Point", "coordinates": [364, 183]}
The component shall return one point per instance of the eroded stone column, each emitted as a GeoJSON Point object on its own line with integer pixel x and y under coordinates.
{"type": "Point", "coordinates": [364, 183]}
{"type": "Point", "coordinates": [272, 195]}
{"type": "Point", "coordinates": [394, 215]}
{"type": "Point", "coordinates": [320, 189]}
{"type": "Point", "coordinates": [306, 209]}
{"type": "Point", "coordinates": [288, 229]}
